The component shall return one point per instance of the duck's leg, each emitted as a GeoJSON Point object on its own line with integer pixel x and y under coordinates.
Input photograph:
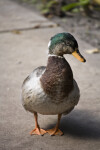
{"type": "Point", "coordinates": [37, 129]}
{"type": "Point", "coordinates": [56, 129]}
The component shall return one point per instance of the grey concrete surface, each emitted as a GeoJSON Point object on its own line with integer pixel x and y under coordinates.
{"type": "Point", "coordinates": [19, 55]}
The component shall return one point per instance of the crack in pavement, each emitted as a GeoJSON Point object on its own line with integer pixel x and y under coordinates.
{"type": "Point", "coordinates": [37, 26]}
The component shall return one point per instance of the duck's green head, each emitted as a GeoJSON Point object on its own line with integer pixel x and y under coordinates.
{"type": "Point", "coordinates": [64, 43]}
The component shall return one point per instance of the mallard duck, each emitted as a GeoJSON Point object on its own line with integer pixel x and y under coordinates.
{"type": "Point", "coordinates": [52, 90]}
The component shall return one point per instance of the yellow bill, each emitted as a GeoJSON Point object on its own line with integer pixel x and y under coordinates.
{"type": "Point", "coordinates": [78, 56]}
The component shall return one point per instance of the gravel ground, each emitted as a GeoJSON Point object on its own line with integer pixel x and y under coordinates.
{"type": "Point", "coordinates": [86, 28]}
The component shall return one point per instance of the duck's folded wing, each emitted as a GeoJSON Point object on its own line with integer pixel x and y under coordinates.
{"type": "Point", "coordinates": [37, 72]}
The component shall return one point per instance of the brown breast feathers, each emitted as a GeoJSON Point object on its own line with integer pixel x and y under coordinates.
{"type": "Point", "coordinates": [57, 80]}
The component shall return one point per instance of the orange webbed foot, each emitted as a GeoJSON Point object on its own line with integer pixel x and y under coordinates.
{"type": "Point", "coordinates": [38, 131]}
{"type": "Point", "coordinates": [55, 131]}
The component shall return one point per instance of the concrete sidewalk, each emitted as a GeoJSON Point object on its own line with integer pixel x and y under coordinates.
{"type": "Point", "coordinates": [24, 36]}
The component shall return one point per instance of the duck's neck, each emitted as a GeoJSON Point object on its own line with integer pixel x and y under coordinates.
{"type": "Point", "coordinates": [53, 55]}
{"type": "Point", "coordinates": [58, 77]}
{"type": "Point", "coordinates": [58, 64]}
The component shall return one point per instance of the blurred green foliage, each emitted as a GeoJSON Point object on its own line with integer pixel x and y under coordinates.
{"type": "Point", "coordinates": [60, 7]}
{"type": "Point", "coordinates": [81, 3]}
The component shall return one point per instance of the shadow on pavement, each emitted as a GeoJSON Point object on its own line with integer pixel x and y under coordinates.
{"type": "Point", "coordinates": [80, 124]}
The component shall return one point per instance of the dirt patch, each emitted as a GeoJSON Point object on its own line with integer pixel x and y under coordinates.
{"type": "Point", "coordinates": [85, 27]}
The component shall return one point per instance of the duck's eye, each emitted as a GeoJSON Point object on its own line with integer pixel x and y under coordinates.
{"type": "Point", "coordinates": [68, 43]}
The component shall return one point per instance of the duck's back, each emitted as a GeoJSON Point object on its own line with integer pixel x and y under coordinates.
{"type": "Point", "coordinates": [57, 80]}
